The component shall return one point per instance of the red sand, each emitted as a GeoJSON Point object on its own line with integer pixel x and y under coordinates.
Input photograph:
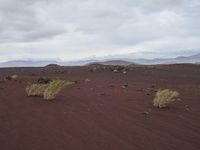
{"type": "Point", "coordinates": [100, 114]}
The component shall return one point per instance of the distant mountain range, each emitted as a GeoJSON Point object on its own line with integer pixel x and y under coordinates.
{"type": "Point", "coordinates": [181, 59]}
{"type": "Point", "coordinates": [117, 61]}
{"type": "Point", "coordinates": [26, 63]}
{"type": "Point", "coordinates": [113, 62]}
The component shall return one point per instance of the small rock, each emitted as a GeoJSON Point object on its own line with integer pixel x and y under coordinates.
{"type": "Point", "coordinates": [115, 71]}
{"type": "Point", "coordinates": [44, 80]}
{"type": "Point", "coordinates": [125, 86]}
{"type": "Point", "coordinates": [8, 78]}
{"type": "Point", "coordinates": [146, 113]}
{"type": "Point", "coordinates": [87, 80]}
{"type": "Point", "coordinates": [14, 77]}
{"type": "Point", "coordinates": [124, 72]}
{"type": "Point", "coordinates": [103, 68]}
{"type": "Point", "coordinates": [187, 108]}
{"type": "Point", "coordinates": [178, 99]}
{"type": "Point", "coordinates": [94, 69]}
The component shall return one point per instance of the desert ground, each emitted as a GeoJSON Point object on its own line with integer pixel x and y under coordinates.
{"type": "Point", "coordinates": [104, 110]}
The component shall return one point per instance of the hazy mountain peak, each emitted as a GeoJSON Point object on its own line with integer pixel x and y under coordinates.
{"type": "Point", "coordinates": [119, 60]}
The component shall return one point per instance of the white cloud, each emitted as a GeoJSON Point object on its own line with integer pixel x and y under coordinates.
{"type": "Point", "coordinates": [82, 28]}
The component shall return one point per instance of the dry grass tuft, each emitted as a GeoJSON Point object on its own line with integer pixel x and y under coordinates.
{"type": "Point", "coordinates": [14, 77]}
{"type": "Point", "coordinates": [54, 88]}
{"type": "Point", "coordinates": [164, 97]}
{"type": "Point", "coordinates": [36, 89]}
{"type": "Point", "coordinates": [48, 91]}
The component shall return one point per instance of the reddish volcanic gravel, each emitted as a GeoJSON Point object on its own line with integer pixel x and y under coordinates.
{"type": "Point", "coordinates": [103, 111]}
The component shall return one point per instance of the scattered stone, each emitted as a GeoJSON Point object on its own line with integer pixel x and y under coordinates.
{"type": "Point", "coordinates": [14, 77]}
{"type": "Point", "coordinates": [42, 71]}
{"type": "Point", "coordinates": [103, 68]}
{"type": "Point", "coordinates": [8, 78]}
{"type": "Point", "coordinates": [187, 108]}
{"type": "Point", "coordinates": [124, 72]}
{"type": "Point", "coordinates": [94, 69]}
{"type": "Point", "coordinates": [125, 86]}
{"type": "Point", "coordinates": [87, 80]}
{"type": "Point", "coordinates": [44, 80]}
{"type": "Point", "coordinates": [115, 71]}
{"type": "Point", "coordinates": [120, 68]}
{"type": "Point", "coordinates": [146, 113]}
{"type": "Point", "coordinates": [178, 99]}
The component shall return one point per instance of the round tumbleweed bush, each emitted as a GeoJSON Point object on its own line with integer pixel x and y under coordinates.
{"type": "Point", "coordinates": [164, 97]}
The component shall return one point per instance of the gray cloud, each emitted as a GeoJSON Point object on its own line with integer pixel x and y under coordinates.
{"type": "Point", "coordinates": [21, 21]}
{"type": "Point", "coordinates": [82, 28]}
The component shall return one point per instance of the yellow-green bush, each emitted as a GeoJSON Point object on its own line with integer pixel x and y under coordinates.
{"type": "Point", "coordinates": [36, 89]}
{"type": "Point", "coordinates": [48, 91]}
{"type": "Point", "coordinates": [54, 88]}
{"type": "Point", "coordinates": [14, 77]}
{"type": "Point", "coordinates": [164, 97]}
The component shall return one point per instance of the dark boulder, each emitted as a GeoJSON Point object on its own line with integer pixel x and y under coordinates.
{"type": "Point", "coordinates": [8, 78]}
{"type": "Point", "coordinates": [44, 80]}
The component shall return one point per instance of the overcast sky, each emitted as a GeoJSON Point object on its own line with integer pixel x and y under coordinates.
{"type": "Point", "coordinates": [74, 29]}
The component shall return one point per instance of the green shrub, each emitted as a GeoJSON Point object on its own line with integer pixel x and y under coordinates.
{"type": "Point", "coordinates": [164, 97]}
